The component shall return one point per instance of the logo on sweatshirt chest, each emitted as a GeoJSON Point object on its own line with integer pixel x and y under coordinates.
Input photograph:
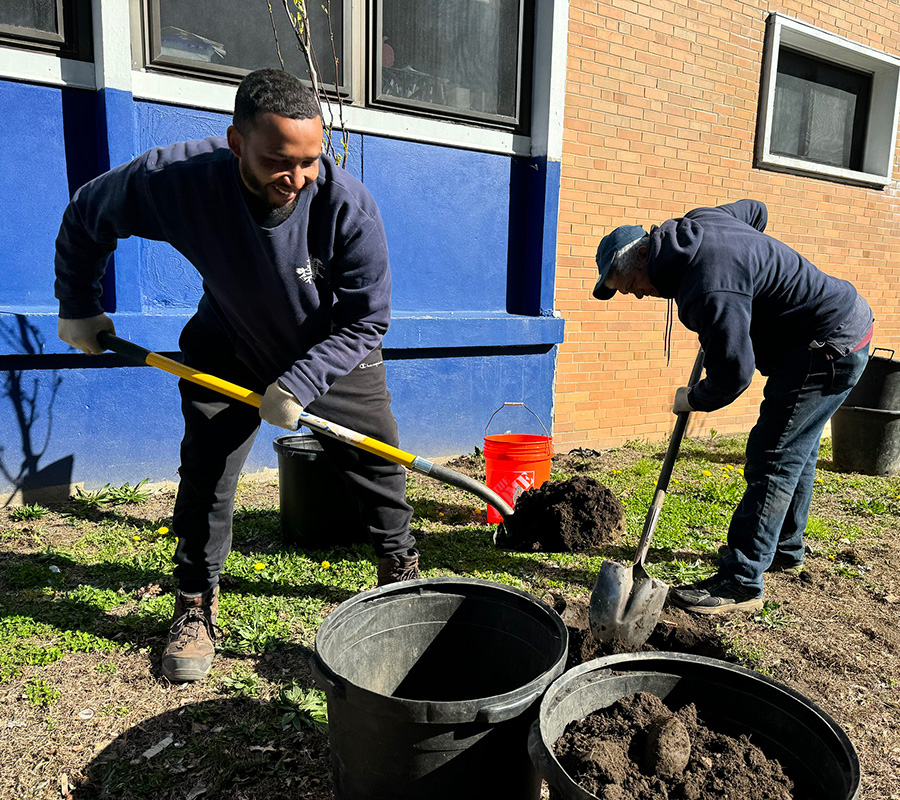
{"type": "Point", "coordinates": [312, 269]}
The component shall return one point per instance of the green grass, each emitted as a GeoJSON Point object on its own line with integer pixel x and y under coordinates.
{"type": "Point", "coordinates": [109, 590]}
{"type": "Point", "coordinates": [28, 512]}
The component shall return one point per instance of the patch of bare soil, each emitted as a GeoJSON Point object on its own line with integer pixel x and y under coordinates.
{"type": "Point", "coordinates": [568, 516]}
{"type": "Point", "coordinates": [638, 749]}
{"type": "Point", "coordinates": [676, 632]}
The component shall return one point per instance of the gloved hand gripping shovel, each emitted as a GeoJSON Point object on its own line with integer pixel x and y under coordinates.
{"type": "Point", "coordinates": [626, 602]}
{"type": "Point", "coordinates": [140, 355]}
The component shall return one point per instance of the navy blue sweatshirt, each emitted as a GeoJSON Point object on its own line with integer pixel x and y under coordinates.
{"type": "Point", "coordinates": [303, 302]}
{"type": "Point", "coordinates": [750, 298]}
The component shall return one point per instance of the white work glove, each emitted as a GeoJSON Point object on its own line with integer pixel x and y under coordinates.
{"type": "Point", "coordinates": [681, 403]}
{"type": "Point", "coordinates": [82, 333]}
{"type": "Point", "coordinates": [279, 407]}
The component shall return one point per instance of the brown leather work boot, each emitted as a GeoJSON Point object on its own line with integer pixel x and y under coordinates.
{"type": "Point", "coordinates": [188, 655]}
{"type": "Point", "coordinates": [394, 568]}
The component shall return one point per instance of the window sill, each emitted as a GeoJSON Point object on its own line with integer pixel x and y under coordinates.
{"type": "Point", "coordinates": [810, 169]}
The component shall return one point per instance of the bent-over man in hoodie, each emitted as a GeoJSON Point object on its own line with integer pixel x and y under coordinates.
{"type": "Point", "coordinates": [296, 300]}
{"type": "Point", "coordinates": [755, 304]}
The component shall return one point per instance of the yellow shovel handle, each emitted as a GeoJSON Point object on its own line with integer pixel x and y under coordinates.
{"type": "Point", "coordinates": [141, 355]}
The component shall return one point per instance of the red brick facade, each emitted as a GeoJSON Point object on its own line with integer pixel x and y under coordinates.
{"type": "Point", "coordinates": [661, 113]}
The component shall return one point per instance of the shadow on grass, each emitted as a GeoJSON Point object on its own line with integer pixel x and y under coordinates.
{"type": "Point", "coordinates": [219, 748]}
{"type": "Point", "coordinates": [26, 578]}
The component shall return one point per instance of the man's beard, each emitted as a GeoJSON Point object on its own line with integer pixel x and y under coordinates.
{"type": "Point", "coordinates": [259, 190]}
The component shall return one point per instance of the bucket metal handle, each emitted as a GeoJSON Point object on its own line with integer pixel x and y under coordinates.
{"type": "Point", "coordinates": [519, 405]}
{"type": "Point", "coordinates": [886, 350]}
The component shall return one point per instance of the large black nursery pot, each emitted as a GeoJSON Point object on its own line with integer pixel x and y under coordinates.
{"type": "Point", "coordinates": [432, 686]}
{"type": "Point", "coordinates": [812, 749]}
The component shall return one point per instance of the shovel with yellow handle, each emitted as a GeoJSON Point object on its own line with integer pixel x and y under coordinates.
{"type": "Point", "coordinates": [438, 472]}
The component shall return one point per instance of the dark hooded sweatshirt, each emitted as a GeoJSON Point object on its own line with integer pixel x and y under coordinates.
{"type": "Point", "coordinates": [751, 299]}
{"type": "Point", "coordinates": [304, 302]}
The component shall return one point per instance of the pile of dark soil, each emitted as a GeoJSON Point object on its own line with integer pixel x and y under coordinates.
{"type": "Point", "coordinates": [639, 749]}
{"type": "Point", "coordinates": [566, 516]}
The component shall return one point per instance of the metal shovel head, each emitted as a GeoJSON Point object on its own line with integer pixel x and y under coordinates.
{"type": "Point", "coordinates": [625, 605]}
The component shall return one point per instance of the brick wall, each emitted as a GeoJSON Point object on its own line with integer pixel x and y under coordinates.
{"type": "Point", "coordinates": [661, 112]}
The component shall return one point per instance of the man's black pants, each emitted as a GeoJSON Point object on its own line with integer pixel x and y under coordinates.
{"type": "Point", "coordinates": [218, 435]}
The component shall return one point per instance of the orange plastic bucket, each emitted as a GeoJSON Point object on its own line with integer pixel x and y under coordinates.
{"type": "Point", "coordinates": [513, 463]}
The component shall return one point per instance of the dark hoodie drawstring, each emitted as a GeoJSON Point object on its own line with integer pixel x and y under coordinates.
{"type": "Point", "coordinates": [667, 336]}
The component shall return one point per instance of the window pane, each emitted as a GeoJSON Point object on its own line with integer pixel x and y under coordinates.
{"type": "Point", "coordinates": [238, 34]}
{"type": "Point", "coordinates": [39, 15]}
{"type": "Point", "coordinates": [457, 54]}
{"type": "Point", "coordinates": [820, 111]}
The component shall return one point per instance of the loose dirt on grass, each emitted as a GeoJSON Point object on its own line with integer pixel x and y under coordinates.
{"type": "Point", "coordinates": [831, 633]}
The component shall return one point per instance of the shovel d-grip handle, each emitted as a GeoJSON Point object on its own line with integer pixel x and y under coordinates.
{"type": "Point", "coordinates": [665, 474]}
{"type": "Point", "coordinates": [140, 355]}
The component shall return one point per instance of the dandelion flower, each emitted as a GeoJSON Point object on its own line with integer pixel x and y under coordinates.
{"type": "Point", "coordinates": [740, 471]}
{"type": "Point", "coordinates": [706, 472]}
{"type": "Point", "coordinates": [729, 467]}
{"type": "Point", "coordinates": [259, 566]}
{"type": "Point", "coordinates": [136, 538]}
{"type": "Point", "coordinates": [818, 480]}
{"type": "Point", "coordinates": [326, 565]}
{"type": "Point", "coordinates": [162, 531]}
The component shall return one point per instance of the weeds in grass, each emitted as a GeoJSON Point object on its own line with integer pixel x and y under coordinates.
{"type": "Point", "coordinates": [28, 512]}
{"type": "Point", "coordinates": [772, 615]}
{"type": "Point", "coordinates": [679, 573]}
{"type": "Point", "coordinates": [85, 502]}
{"type": "Point", "coordinates": [302, 708]}
{"type": "Point", "coordinates": [41, 693]}
{"type": "Point", "coordinates": [747, 653]}
{"type": "Point", "coordinates": [243, 682]}
{"type": "Point", "coordinates": [872, 506]}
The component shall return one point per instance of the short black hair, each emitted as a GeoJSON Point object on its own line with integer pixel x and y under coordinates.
{"type": "Point", "coordinates": [273, 91]}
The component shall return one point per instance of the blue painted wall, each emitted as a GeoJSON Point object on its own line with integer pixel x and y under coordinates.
{"type": "Point", "coordinates": [455, 353]}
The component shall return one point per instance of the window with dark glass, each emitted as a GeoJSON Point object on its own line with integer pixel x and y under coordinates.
{"type": "Point", "coordinates": [820, 111]}
{"type": "Point", "coordinates": [59, 26]}
{"type": "Point", "coordinates": [229, 38]}
{"type": "Point", "coordinates": [454, 57]}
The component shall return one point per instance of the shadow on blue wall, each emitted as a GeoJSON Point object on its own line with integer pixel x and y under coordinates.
{"type": "Point", "coordinates": [32, 400]}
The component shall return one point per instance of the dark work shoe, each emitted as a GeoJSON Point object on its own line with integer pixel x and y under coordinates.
{"type": "Point", "coordinates": [394, 568]}
{"type": "Point", "coordinates": [715, 595]}
{"type": "Point", "coordinates": [188, 655]}
{"type": "Point", "coordinates": [780, 563]}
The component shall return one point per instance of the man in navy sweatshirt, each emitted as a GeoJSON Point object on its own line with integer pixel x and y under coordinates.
{"type": "Point", "coordinates": [296, 301]}
{"type": "Point", "coordinates": [755, 304]}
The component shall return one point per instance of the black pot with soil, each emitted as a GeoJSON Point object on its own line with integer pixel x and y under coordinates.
{"type": "Point", "coordinates": [710, 713]}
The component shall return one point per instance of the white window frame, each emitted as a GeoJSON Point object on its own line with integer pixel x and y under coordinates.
{"type": "Point", "coordinates": [116, 22]}
{"type": "Point", "coordinates": [884, 106]}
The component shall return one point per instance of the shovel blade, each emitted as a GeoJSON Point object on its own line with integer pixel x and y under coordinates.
{"type": "Point", "coordinates": [625, 605]}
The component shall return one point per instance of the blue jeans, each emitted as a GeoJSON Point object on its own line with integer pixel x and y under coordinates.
{"type": "Point", "coordinates": [782, 451]}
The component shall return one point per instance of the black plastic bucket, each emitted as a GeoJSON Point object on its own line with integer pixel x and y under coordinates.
{"type": "Point", "coordinates": [432, 686]}
{"type": "Point", "coordinates": [812, 749]}
{"type": "Point", "coordinates": [879, 385]}
{"type": "Point", "coordinates": [866, 440]}
{"type": "Point", "coordinates": [317, 508]}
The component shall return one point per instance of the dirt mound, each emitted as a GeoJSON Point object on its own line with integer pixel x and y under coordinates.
{"type": "Point", "coordinates": [676, 632]}
{"type": "Point", "coordinates": [639, 749]}
{"type": "Point", "coordinates": [566, 516]}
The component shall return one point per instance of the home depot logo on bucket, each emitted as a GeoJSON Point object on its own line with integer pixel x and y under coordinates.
{"type": "Point", "coordinates": [513, 463]}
